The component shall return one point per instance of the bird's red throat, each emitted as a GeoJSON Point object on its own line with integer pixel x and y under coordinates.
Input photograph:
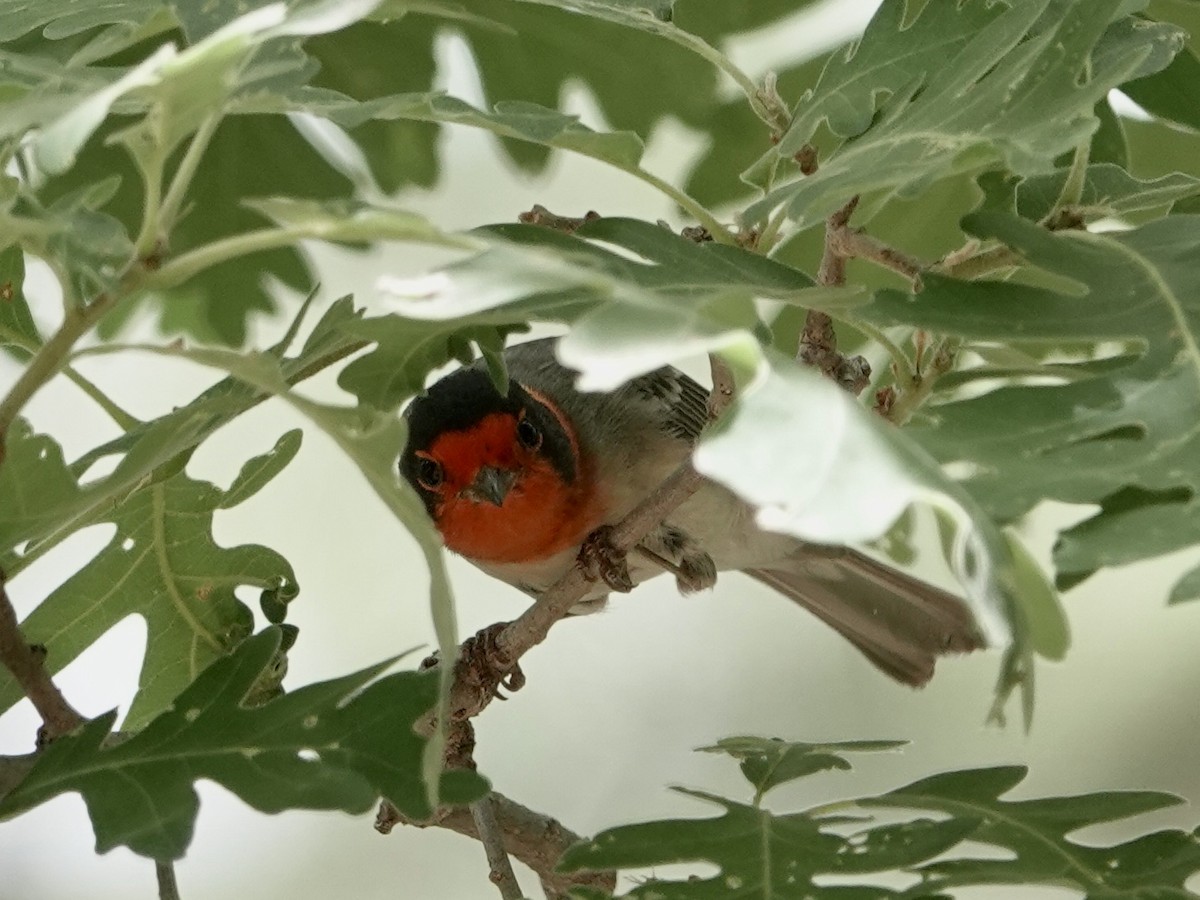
{"type": "Point", "coordinates": [542, 514]}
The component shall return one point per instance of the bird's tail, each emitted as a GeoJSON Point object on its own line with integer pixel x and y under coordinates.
{"type": "Point", "coordinates": [899, 623]}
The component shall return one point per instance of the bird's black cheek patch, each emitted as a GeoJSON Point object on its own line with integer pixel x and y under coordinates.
{"type": "Point", "coordinates": [560, 447]}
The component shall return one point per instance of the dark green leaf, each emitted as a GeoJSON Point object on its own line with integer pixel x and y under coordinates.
{"type": "Point", "coordinates": [332, 745]}
{"type": "Point", "coordinates": [407, 350]}
{"type": "Point", "coordinates": [1109, 144]}
{"type": "Point", "coordinates": [1109, 191]}
{"type": "Point", "coordinates": [715, 21]}
{"type": "Point", "coordinates": [511, 118]}
{"type": "Point", "coordinates": [1037, 834]}
{"type": "Point", "coordinates": [567, 46]}
{"type": "Point", "coordinates": [768, 763]}
{"type": "Point", "coordinates": [791, 856]}
{"type": "Point", "coordinates": [1171, 93]}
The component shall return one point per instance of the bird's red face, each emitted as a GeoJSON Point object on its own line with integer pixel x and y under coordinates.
{"type": "Point", "coordinates": [502, 477]}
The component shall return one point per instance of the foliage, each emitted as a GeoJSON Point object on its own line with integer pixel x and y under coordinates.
{"type": "Point", "coordinates": [227, 727]}
{"type": "Point", "coordinates": [765, 854]}
{"type": "Point", "coordinates": [1045, 347]}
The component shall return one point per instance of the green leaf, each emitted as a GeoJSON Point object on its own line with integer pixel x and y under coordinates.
{"type": "Point", "coordinates": [1040, 607]}
{"type": "Point", "coordinates": [1109, 191]}
{"type": "Point", "coordinates": [738, 136]}
{"type": "Point", "coordinates": [36, 487]}
{"type": "Point", "coordinates": [61, 18]}
{"type": "Point", "coordinates": [354, 62]}
{"type": "Point", "coordinates": [332, 745]}
{"type": "Point", "coordinates": [183, 87]}
{"type": "Point", "coordinates": [1187, 588]}
{"type": "Point", "coordinates": [1007, 89]}
{"type": "Point", "coordinates": [254, 56]}
{"type": "Point", "coordinates": [38, 89]}
{"type": "Point", "coordinates": [407, 350]}
{"type": "Point", "coordinates": [43, 503]}
{"type": "Point", "coordinates": [1170, 94]}
{"type": "Point", "coordinates": [1109, 144]}
{"type": "Point", "coordinates": [511, 118]}
{"type": "Point", "coordinates": [372, 440]}
{"type": "Point", "coordinates": [572, 44]}
{"type": "Point", "coordinates": [16, 322]}
{"type": "Point", "coordinates": [768, 763]}
{"type": "Point", "coordinates": [790, 856]}
{"type": "Point", "coordinates": [716, 21]}
{"type": "Point", "coordinates": [256, 473]}
{"type": "Point", "coordinates": [91, 247]}
{"type": "Point", "coordinates": [1035, 834]}
{"type": "Point", "coordinates": [579, 42]}
{"type": "Point", "coordinates": [163, 565]}
{"type": "Point", "coordinates": [353, 222]}
{"type": "Point", "coordinates": [761, 855]}
{"type": "Point", "coordinates": [1124, 437]}
{"type": "Point", "coordinates": [535, 272]}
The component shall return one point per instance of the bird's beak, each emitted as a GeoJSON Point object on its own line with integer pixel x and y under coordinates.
{"type": "Point", "coordinates": [491, 485]}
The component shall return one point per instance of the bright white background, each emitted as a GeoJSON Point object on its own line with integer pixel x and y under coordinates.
{"type": "Point", "coordinates": [615, 703]}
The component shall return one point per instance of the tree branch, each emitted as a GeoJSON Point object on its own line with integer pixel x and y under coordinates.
{"type": "Point", "coordinates": [25, 663]}
{"type": "Point", "coordinates": [487, 827]}
{"type": "Point", "coordinates": [818, 342]}
{"type": "Point", "coordinates": [537, 840]}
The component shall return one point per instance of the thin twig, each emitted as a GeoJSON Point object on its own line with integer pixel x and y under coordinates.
{"type": "Point", "coordinates": [850, 243]}
{"type": "Point", "coordinates": [487, 827]}
{"type": "Point", "coordinates": [833, 264]}
{"type": "Point", "coordinates": [25, 663]}
{"type": "Point", "coordinates": [539, 215]}
{"type": "Point", "coordinates": [537, 840]}
{"type": "Point", "coordinates": [818, 342]}
{"type": "Point", "coordinates": [168, 887]}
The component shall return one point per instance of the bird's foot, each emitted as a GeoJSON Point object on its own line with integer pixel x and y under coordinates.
{"type": "Point", "coordinates": [483, 665]}
{"type": "Point", "coordinates": [603, 562]}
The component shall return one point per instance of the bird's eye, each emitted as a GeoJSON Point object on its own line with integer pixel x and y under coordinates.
{"type": "Point", "coordinates": [429, 473]}
{"type": "Point", "coordinates": [528, 435]}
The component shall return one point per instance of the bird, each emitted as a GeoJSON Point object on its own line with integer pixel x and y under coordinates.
{"type": "Point", "coordinates": [516, 482]}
